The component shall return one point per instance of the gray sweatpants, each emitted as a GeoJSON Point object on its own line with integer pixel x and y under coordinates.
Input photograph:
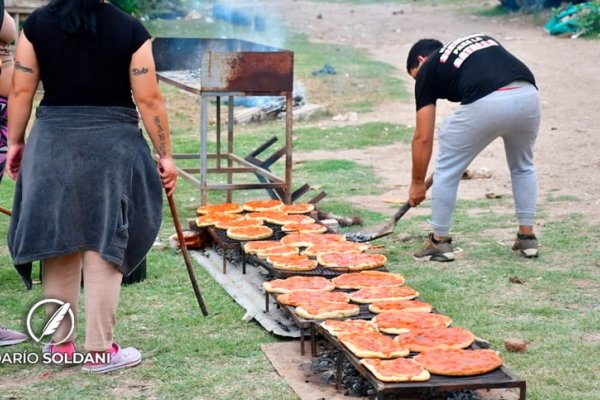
{"type": "Point", "coordinates": [512, 113]}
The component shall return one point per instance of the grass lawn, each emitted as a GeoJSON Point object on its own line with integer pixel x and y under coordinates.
{"type": "Point", "coordinates": [556, 308]}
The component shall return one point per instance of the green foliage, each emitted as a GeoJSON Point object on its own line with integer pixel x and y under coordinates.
{"type": "Point", "coordinates": [589, 19]}
{"type": "Point", "coordinates": [128, 6]}
{"type": "Point", "coordinates": [144, 7]}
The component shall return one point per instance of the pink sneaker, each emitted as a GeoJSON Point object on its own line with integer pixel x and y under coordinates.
{"type": "Point", "coordinates": [61, 355]}
{"type": "Point", "coordinates": [119, 358]}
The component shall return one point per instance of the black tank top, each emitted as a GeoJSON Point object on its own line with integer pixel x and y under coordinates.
{"type": "Point", "coordinates": [83, 70]}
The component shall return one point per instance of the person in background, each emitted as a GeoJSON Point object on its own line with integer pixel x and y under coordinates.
{"type": "Point", "coordinates": [9, 337]}
{"type": "Point", "coordinates": [88, 195]}
{"type": "Point", "coordinates": [498, 99]}
{"type": "Point", "coordinates": [8, 34]}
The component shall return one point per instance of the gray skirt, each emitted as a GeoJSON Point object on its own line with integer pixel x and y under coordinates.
{"type": "Point", "coordinates": [87, 182]}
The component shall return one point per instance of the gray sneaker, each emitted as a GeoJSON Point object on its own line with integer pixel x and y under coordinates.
{"type": "Point", "coordinates": [434, 250]}
{"type": "Point", "coordinates": [8, 337]}
{"type": "Point", "coordinates": [526, 245]}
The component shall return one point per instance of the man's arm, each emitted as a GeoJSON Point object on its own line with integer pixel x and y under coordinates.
{"type": "Point", "coordinates": [422, 145]}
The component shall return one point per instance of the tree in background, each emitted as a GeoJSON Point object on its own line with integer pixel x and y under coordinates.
{"type": "Point", "coordinates": [156, 8]}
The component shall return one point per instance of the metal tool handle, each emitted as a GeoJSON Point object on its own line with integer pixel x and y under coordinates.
{"type": "Point", "coordinates": [406, 206]}
{"type": "Point", "coordinates": [186, 255]}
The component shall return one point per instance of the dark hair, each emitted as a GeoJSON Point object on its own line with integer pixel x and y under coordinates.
{"type": "Point", "coordinates": [76, 16]}
{"type": "Point", "coordinates": [424, 47]}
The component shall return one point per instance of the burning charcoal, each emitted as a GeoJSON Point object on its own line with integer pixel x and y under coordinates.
{"type": "Point", "coordinates": [462, 395]}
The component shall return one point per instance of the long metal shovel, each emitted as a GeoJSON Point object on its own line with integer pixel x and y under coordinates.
{"type": "Point", "coordinates": [381, 230]}
{"type": "Point", "coordinates": [186, 255]}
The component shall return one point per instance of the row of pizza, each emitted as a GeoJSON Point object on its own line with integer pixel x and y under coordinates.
{"type": "Point", "coordinates": [401, 326]}
{"type": "Point", "coordinates": [303, 248]}
{"type": "Point", "coordinates": [247, 221]}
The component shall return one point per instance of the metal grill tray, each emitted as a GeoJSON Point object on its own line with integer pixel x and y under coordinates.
{"type": "Point", "coordinates": [319, 271]}
{"type": "Point", "coordinates": [499, 378]}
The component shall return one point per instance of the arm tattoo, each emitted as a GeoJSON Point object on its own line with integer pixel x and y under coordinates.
{"type": "Point", "coordinates": [140, 71]}
{"type": "Point", "coordinates": [162, 150]}
{"type": "Point", "coordinates": [21, 67]}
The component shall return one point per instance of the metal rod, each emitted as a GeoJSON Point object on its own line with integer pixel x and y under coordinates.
{"type": "Point", "coordinates": [203, 140]}
{"type": "Point", "coordinates": [288, 148]}
{"type": "Point", "coordinates": [186, 256]}
{"type": "Point", "coordinates": [229, 144]}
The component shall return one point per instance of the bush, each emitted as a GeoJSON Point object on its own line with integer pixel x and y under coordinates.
{"type": "Point", "coordinates": [145, 7]}
{"type": "Point", "coordinates": [589, 19]}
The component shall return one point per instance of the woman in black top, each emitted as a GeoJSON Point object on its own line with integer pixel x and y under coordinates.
{"type": "Point", "coordinates": [88, 194]}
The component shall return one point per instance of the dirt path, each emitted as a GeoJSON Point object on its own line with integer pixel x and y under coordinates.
{"type": "Point", "coordinates": [567, 148]}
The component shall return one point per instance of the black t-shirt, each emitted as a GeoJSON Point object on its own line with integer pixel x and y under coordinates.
{"type": "Point", "coordinates": [78, 70]}
{"type": "Point", "coordinates": [466, 70]}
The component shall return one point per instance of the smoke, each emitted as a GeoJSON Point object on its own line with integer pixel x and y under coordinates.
{"type": "Point", "coordinates": [243, 19]}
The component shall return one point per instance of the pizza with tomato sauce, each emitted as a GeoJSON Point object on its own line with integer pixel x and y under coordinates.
{"type": "Point", "coordinates": [366, 279]}
{"type": "Point", "coordinates": [266, 215]}
{"type": "Point", "coordinates": [457, 362]}
{"type": "Point", "coordinates": [336, 247]}
{"type": "Point", "coordinates": [290, 219]}
{"type": "Point", "coordinates": [384, 293]}
{"type": "Point", "coordinates": [296, 262]}
{"type": "Point", "coordinates": [352, 261]}
{"type": "Point", "coordinates": [213, 218]}
{"type": "Point", "coordinates": [344, 327]}
{"type": "Point", "coordinates": [249, 232]}
{"type": "Point", "coordinates": [302, 297]}
{"type": "Point", "coordinates": [379, 307]}
{"type": "Point", "coordinates": [225, 208]}
{"type": "Point", "coordinates": [294, 283]}
{"type": "Point", "coordinates": [436, 339]}
{"type": "Point", "coordinates": [396, 370]}
{"type": "Point", "coordinates": [372, 345]}
{"type": "Point", "coordinates": [304, 228]}
{"type": "Point", "coordinates": [281, 250]}
{"type": "Point", "coordinates": [262, 205]}
{"type": "Point", "coordinates": [310, 239]}
{"type": "Point", "coordinates": [237, 223]}
{"type": "Point", "coordinates": [298, 208]}
{"type": "Point", "coordinates": [401, 321]}
{"type": "Point", "coordinates": [326, 310]}
{"type": "Point", "coordinates": [258, 245]}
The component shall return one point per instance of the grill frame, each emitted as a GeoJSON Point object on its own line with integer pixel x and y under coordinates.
{"type": "Point", "coordinates": [229, 68]}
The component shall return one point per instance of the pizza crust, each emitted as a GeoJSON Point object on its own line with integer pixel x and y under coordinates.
{"type": "Point", "coordinates": [225, 208]}
{"type": "Point", "coordinates": [298, 208]}
{"type": "Point", "coordinates": [372, 366]}
{"type": "Point", "coordinates": [360, 297]}
{"type": "Point", "coordinates": [272, 286]}
{"type": "Point", "coordinates": [474, 362]}
{"type": "Point", "coordinates": [305, 265]}
{"type": "Point", "coordinates": [363, 261]}
{"type": "Point", "coordinates": [347, 340]}
{"type": "Point", "coordinates": [377, 307]}
{"type": "Point", "coordinates": [408, 321]}
{"type": "Point", "coordinates": [430, 339]}
{"type": "Point", "coordinates": [298, 297]}
{"type": "Point", "coordinates": [262, 205]}
{"type": "Point", "coordinates": [241, 233]}
{"type": "Point", "coordinates": [342, 313]}
{"type": "Point", "coordinates": [374, 278]}
{"type": "Point", "coordinates": [336, 327]}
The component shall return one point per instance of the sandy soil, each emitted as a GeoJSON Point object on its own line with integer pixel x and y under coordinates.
{"type": "Point", "coordinates": [567, 148]}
